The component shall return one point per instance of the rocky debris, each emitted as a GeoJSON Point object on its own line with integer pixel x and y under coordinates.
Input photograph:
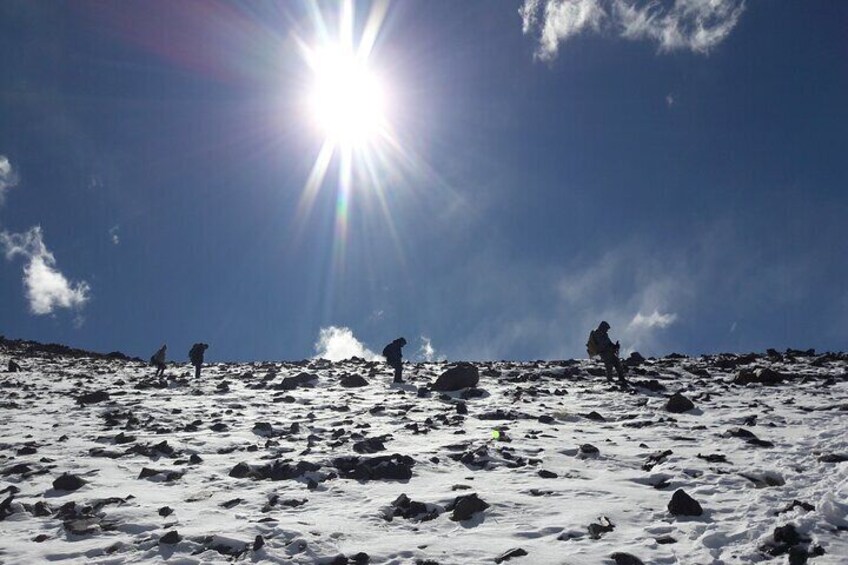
{"type": "Point", "coordinates": [465, 506]}
{"type": "Point", "coordinates": [655, 459]}
{"type": "Point", "coordinates": [6, 507]}
{"type": "Point", "coordinates": [458, 377]}
{"type": "Point", "coordinates": [258, 543]}
{"type": "Point", "coordinates": [545, 474]}
{"type": "Point", "coordinates": [276, 471]}
{"type": "Point", "coordinates": [509, 554]}
{"type": "Point", "coordinates": [393, 467]}
{"type": "Point", "coordinates": [833, 458]}
{"type": "Point", "coordinates": [749, 437]}
{"type": "Point", "coordinates": [298, 380]}
{"type": "Point", "coordinates": [404, 507]}
{"type": "Point", "coordinates": [621, 558]}
{"type": "Point", "coordinates": [68, 482]}
{"type": "Point", "coordinates": [603, 526]}
{"type": "Point", "coordinates": [166, 511]}
{"type": "Point", "coordinates": [594, 416]}
{"type": "Point", "coordinates": [763, 480]}
{"type": "Point", "coordinates": [681, 504]}
{"type": "Point", "coordinates": [14, 367]}
{"type": "Point", "coordinates": [93, 397]}
{"type": "Point", "coordinates": [652, 385]}
{"type": "Point", "coordinates": [763, 376]}
{"type": "Point", "coordinates": [678, 404]}
{"type": "Point", "coordinates": [786, 539]}
{"type": "Point", "coordinates": [263, 429]}
{"type": "Point", "coordinates": [123, 438]}
{"type": "Point", "coordinates": [353, 381]}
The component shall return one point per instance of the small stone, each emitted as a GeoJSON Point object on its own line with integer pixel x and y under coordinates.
{"type": "Point", "coordinates": [621, 558]}
{"type": "Point", "coordinates": [166, 511]}
{"type": "Point", "coordinates": [545, 474]}
{"type": "Point", "coordinates": [258, 542]}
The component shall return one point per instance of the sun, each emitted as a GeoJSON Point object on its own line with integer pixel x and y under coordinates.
{"type": "Point", "coordinates": [347, 99]}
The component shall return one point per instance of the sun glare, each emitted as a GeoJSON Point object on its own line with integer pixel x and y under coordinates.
{"type": "Point", "coordinates": [348, 101]}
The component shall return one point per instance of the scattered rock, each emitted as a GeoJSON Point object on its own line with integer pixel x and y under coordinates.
{"type": "Point", "coordinates": [386, 467]}
{"type": "Point", "coordinates": [597, 530]}
{"type": "Point", "coordinates": [682, 504]}
{"type": "Point", "coordinates": [547, 474]}
{"type": "Point", "coordinates": [509, 554]}
{"type": "Point", "coordinates": [655, 459]}
{"type": "Point", "coordinates": [411, 510]}
{"type": "Point", "coordinates": [678, 404]}
{"type": "Point", "coordinates": [588, 450]}
{"type": "Point", "coordinates": [464, 507]}
{"type": "Point", "coordinates": [68, 482]}
{"type": "Point", "coordinates": [171, 538]}
{"type": "Point", "coordinates": [461, 375]}
{"type": "Point", "coordinates": [621, 558]}
{"type": "Point", "coordinates": [833, 458]}
{"type": "Point", "coordinates": [93, 397]}
{"type": "Point", "coordinates": [353, 381]}
{"type": "Point", "coordinates": [370, 445]}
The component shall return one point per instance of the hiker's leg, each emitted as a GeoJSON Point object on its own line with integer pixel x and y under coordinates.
{"type": "Point", "coordinates": [398, 373]}
{"type": "Point", "coordinates": [197, 371]}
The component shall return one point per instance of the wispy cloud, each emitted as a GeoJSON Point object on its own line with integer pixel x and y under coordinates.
{"type": "Point", "coordinates": [336, 344]}
{"type": "Point", "coordinates": [46, 287]}
{"type": "Point", "coordinates": [696, 25]}
{"type": "Point", "coordinates": [8, 177]}
{"type": "Point", "coordinates": [652, 320]}
{"type": "Point", "coordinates": [114, 234]}
{"type": "Point", "coordinates": [427, 352]}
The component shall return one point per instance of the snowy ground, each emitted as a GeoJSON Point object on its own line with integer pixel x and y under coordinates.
{"type": "Point", "coordinates": [543, 412]}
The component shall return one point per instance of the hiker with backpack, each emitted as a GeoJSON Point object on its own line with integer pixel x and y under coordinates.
{"type": "Point", "coordinates": [392, 353]}
{"type": "Point", "coordinates": [196, 357]}
{"type": "Point", "coordinates": [158, 360]}
{"type": "Point", "coordinates": [600, 344]}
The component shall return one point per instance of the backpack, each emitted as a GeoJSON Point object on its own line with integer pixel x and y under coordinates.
{"type": "Point", "coordinates": [591, 345]}
{"type": "Point", "coordinates": [386, 352]}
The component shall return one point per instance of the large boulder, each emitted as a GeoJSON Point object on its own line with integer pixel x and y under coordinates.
{"type": "Point", "coordinates": [461, 375]}
{"type": "Point", "coordinates": [464, 507]}
{"type": "Point", "coordinates": [678, 404]}
{"type": "Point", "coordinates": [353, 381]}
{"type": "Point", "coordinates": [681, 504]}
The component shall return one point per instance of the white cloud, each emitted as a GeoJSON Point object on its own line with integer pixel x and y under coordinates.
{"type": "Point", "coordinates": [46, 287]}
{"type": "Point", "coordinates": [337, 344]}
{"type": "Point", "coordinates": [653, 320]}
{"type": "Point", "coordinates": [697, 25]}
{"type": "Point", "coordinates": [114, 235]}
{"type": "Point", "coordinates": [427, 352]}
{"type": "Point", "coordinates": [8, 177]}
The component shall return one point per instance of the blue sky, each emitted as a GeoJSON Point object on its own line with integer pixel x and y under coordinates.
{"type": "Point", "coordinates": [677, 168]}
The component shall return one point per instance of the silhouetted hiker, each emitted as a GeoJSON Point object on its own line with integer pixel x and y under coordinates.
{"type": "Point", "coordinates": [393, 355]}
{"type": "Point", "coordinates": [158, 360]}
{"type": "Point", "coordinates": [600, 344]}
{"type": "Point", "coordinates": [196, 357]}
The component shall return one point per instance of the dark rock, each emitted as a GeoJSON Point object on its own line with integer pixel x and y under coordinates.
{"type": "Point", "coordinates": [461, 408]}
{"type": "Point", "coordinates": [621, 558]}
{"type": "Point", "coordinates": [93, 397]}
{"type": "Point", "coordinates": [464, 507]}
{"type": "Point", "coordinates": [713, 458]}
{"type": "Point", "coordinates": [219, 427]}
{"type": "Point", "coordinates": [833, 458]}
{"type": "Point", "coordinates": [603, 526]}
{"type": "Point", "coordinates": [361, 558]}
{"type": "Point", "coordinates": [370, 445]}
{"type": "Point", "coordinates": [14, 367]}
{"type": "Point", "coordinates": [545, 474]}
{"type": "Point", "coordinates": [749, 437]}
{"type": "Point", "coordinates": [263, 428]}
{"type": "Point", "coordinates": [764, 376]}
{"type": "Point", "coordinates": [384, 467]}
{"type": "Point", "coordinates": [258, 542]}
{"type": "Point", "coordinates": [68, 482]}
{"type": "Point", "coordinates": [787, 534]}
{"type": "Point", "coordinates": [678, 404]}
{"type": "Point", "coordinates": [171, 538]}
{"type": "Point", "coordinates": [652, 385]}
{"type": "Point", "coordinates": [411, 510]}
{"type": "Point", "coordinates": [805, 506]}
{"type": "Point", "coordinates": [291, 383]}
{"type": "Point", "coordinates": [166, 476]}
{"type": "Point", "coordinates": [588, 450]}
{"type": "Point", "coordinates": [665, 540]}
{"type": "Point", "coordinates": [655, 459]}
{"type": "Point", "coordinates": [353, 381]}
{"type": "Point", "coordinates": [230, 503]}
{"type": "Point", "coordinates": [594, 416]}
{"type": "Point", "coordinates": [165, 511]}
{"type": "Point", "coordinates": [545, 419]}
{"type": "Point", "coordinates": [461, 375]}
{"type": "Point", "coordinates": [509, 554]}
{"type": "Point", "coordinates": [682, 504]}
{"type": "Point", "coordinates": [634, 360]}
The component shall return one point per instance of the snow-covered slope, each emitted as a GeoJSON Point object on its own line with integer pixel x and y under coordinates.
{"type": "Point", "coordinates": [217, 462]}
